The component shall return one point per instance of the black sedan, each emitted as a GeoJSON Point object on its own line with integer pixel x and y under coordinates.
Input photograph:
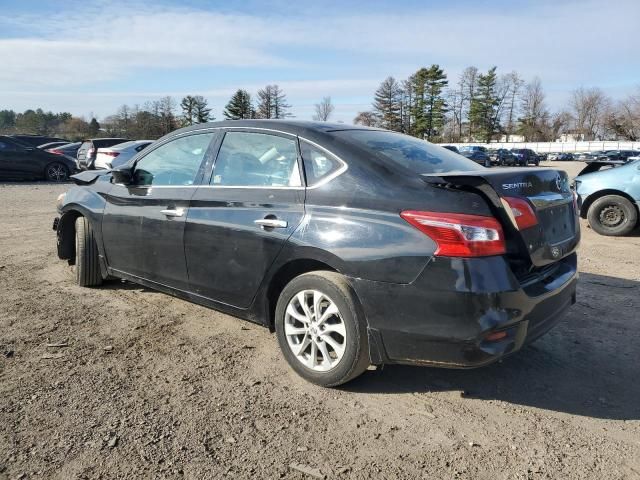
{"type": "Point", "coordinates": [20, 161]}
{"type": "Point", "coordinates": [357, 246]}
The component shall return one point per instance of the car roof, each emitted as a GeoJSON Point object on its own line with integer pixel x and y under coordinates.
{"type": "Point", "coordinates": [296, 127]}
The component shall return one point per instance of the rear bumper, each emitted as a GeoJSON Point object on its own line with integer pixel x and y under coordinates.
{"type": "Point", "coordinates": [443, 318]}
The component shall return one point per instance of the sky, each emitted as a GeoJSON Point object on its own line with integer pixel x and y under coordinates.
{"type": "Point", "coordinates": [89, 57]}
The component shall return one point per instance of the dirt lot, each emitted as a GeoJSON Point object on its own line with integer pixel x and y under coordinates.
{"type": "Point", "coordinates": [147, 385]}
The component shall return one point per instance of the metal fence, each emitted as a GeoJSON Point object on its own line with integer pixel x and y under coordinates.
{"type": "Point", "coordinates": [547, 147]}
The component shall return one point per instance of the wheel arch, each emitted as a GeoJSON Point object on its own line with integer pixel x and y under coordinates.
{"type": "Point", "coordinates": [584, 209]}
{"type": "Point", "coordinates": [66, 232]}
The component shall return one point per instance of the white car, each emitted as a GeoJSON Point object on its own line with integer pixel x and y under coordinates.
{"type": "Point", "coordinates": [120, 154]}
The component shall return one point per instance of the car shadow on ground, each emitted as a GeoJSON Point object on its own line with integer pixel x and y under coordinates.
{"type": "Point", "coordinates": [588, 365]}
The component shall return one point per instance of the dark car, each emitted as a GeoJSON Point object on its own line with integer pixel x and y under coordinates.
{"type": "Point", "coordinates": [526, 156]}
{"type": "Point", "coordinates": [565, 157]}
{"type": "Point", "coordinates": [619, 155]}
{"type": "Point", "coordinates": [503, 157]}
{"type": "Point", "coordinates": [18, 161]}
{"type": "Point", "coordinates": [48, 145]}
{"type": "Point", "coordinates": [476, 153]}
{"type": "Point", "coordinates": [35, 140]}
{"type": "Point", "coordinates": [69, 150]}
{"type": "Point", "coordinates": [89, 149]}
{"type": "Point", "coordinates": [358, 246]}
{"type": "Point", "coordinates": [451, 148]}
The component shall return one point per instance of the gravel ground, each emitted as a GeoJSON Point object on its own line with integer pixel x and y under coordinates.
{"type": "Point", "coordinates": [123, 382]}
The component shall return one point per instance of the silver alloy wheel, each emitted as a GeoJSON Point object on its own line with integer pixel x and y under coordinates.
{"type": "Point", "coordinates": [315, 330]}
{"type": "Point", "coordinates": [56, 172]}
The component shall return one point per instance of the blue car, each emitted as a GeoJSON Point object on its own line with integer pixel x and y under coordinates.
{"type": "Point", "coordinates": [609, 199]}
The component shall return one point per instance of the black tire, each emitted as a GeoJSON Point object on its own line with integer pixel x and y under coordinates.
{"type": "Point", "coordinates": [355, 359]}
{"type": "Point", "coordinates": [56, 172]}
{"type": "Point", "coordinates": [612, 215]}
{"type": "Point", "coordinates": [87, 265]}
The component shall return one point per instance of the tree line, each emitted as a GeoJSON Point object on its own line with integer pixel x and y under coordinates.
{"type": "Point", "coordinates": [487, 106]}
{"type": "Point", "coordinates": [478, 107]}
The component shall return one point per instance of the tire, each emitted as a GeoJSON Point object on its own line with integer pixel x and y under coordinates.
{"type": "Point", "coordinates": [87, 265]}
{"type": "Point", "coordinates": [311, 363]}
{"type": "Point", "coordinates": [612, 215]}
{"type": "Point", "coordinates": [56, 172]}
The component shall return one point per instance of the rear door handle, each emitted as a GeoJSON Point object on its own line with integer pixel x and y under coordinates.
{"type": "Point", "coordinates": [175, 212]}
{"type": "Point", "coordinates": [271, 223]}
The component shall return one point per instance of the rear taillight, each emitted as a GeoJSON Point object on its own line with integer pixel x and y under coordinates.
{"type": "Point", "coordinates": [522, 212]}
{"type": "Point", "coordinates": [111, 154]}
{"type": "Point", "coordinates": [459, 235]}
{"type": "Point", "coordinates": [54, 151]}
{"type": "Point", "coordinates": [576, 207]}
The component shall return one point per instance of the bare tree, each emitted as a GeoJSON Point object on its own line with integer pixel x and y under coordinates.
{"type": "Point", "coordinates": [467, 85]}
{"type": "Point", "coordinates": [535, 116]}
{"type": "Point", "coordinates": [272, 103]}
{"type": "Point", "coordinates": [624, 120]}
{"type": "Point", "coordinates": [589, 106]}
{"type": "Point", "coordinates": [324, 109]}
{"type": "Point", "coordinates": [514, 84]}
{"type": "Point", "coordinates": [368, 119]}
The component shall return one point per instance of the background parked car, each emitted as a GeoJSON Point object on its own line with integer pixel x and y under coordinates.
{"type": "Point", "coordinates": [609, 198]}
{"type": "Point", "coordinates": [112, 157]}
{"type": "Point", "coordinates": [565, 157]}
{"type": "Point", "coordinates": [35, 140]}
{"type": "Point", "coordinates": [502, 156]}
{"type": "Point", "coordinates": [69, 150]}
{"type": "Point", "coordinates": [590, 156]}
{"type": "Point", "coordinates": [89, 149]}
{"type": "Point", "coordinates": [621, 155]}
{"type": "Point", "coordinates": [476, 153]}
{"type": "Point", "coordinates": [19, 161]}
{"type": "Point", "coordinates": [526, 156]}
{"type": "Point", "coordinates": [48, 145]}
{"type": "Point", "coordinates": [452, 148]}
{"type": "Point", "coordinates": [553, 156]}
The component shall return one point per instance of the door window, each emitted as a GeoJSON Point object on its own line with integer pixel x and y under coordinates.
{"type": "Point", "coordinates": [249, 159]}
{"type": "Point", "coordinates": [7, 146]}
{"type": "Point", "coordinates": [174, 163]}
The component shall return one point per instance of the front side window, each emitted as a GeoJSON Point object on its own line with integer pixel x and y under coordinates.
{"type": "Point", "coordinates": [248, 159]}
{"type": "Point", "coordinates": [174, 163]}
{"type": "Point", "coordinates": [318, 163]}
{"type": "Point", "coordinates": [7, 146]}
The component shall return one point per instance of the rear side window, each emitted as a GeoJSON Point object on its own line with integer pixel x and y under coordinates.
{"type": "Point", "coordinates": [248, 159]}
{"type": "Point", "coordinates": [7, 146]}
{"type": "Point", "coordinates": [318, 163]}
{"type": "Point", "coordinates": [417, 155]}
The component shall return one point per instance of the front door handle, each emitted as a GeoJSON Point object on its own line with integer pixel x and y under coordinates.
{"type": "Point", "coordinates": [271, 223]}
{"type": "Point", "coordinates": [175, 212]}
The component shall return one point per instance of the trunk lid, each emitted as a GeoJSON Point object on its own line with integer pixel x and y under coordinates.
{"type": "Point", "coordinates": [547, 191]}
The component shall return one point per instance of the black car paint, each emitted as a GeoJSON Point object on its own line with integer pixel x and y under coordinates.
{"type": "Point", "coordinates": [419, 308]}
{"type": "Point", "coordinates": [24, 162]}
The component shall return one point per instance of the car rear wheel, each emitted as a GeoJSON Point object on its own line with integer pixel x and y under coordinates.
{"type": "Point", "coordinates": [612, 215]}
{"type": "Point", "coordinates": [87, 265]}
{"type": "Point", "coordinates": [56, 172]}
{"type": "Point", "coordinates": [320, 329]}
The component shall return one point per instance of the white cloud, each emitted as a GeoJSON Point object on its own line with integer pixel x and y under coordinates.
{"type": "Point", "coordinates": [566, 44]}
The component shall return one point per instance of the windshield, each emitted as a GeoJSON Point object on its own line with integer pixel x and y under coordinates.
{"type": "Point", "coordinates": [417, 155]}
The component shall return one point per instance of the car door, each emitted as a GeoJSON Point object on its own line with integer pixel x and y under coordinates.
{"type": "Point", "coordinates": [239, 222]}
{"type": "Point", "coordinates": [18, 161]}
{"type": "Point", "coordinates": [143, 222]}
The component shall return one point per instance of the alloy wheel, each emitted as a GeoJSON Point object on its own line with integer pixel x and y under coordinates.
{"type": "Point", "coordinates": [315, 330]}
{"type": "Point", "coordinates": [56, 172]}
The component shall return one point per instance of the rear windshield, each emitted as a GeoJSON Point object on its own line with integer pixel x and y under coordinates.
{"type": "Point", "coordinates": [108, 142]}
{"type": "Point", "coordinates": [417, 155]}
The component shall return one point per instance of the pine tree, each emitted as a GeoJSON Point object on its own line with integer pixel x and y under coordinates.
{"type": "Point", "coordinates": [387, 104]}
{"type": "Point", "coordinates": [272, 103]}
{"type": "Point", "coordinates": [429, 106]}
{"type": "Point", "coordinates": [94, 127]}
{"type": "Point", "coordinates": [239, 106]}
{"type": "Point", "coordinates": [188, 110]}
{"type": "Point", "coordinates": [484, 106]}
{"type": "Point", "coordinates": [202, 112]}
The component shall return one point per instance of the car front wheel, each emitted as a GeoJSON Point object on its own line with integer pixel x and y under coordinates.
{"type": "Point", "coordinates": [320, 330]}
{"type": "Point", "coordinates": [612, 215]}
{"type": "Point", "coordinates": [87, 265]}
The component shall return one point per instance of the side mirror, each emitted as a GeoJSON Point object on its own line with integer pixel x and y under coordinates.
{"type": "Point", "coordinates": [123, 175]}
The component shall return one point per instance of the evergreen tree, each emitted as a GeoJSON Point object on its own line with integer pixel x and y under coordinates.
{"type": "Point", "coordinates": [202, 112]}
{"type": "Point", "coordinates": [387, 105]}
{"type": "Point", "coordinates": [94, 127]}
{"type": "Point", "coordinates": [272, 103]}
{"type": "Point", "coordinates": [429, 106]}
{"type": "Point", "coordinates": [483, 113]}
{"type": "Point", "coordinates": [239, 106]}
{"type": "Point", "coordinates": [188, 105]}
